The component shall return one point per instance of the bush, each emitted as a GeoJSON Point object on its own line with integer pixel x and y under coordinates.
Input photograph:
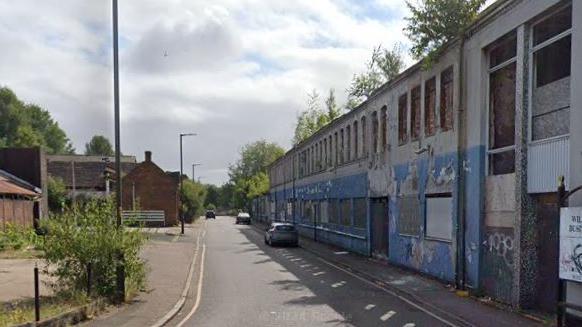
{"type": "Point", "coordinates": [16, 237]}
{"type": "Point", "coordinates": [88, 235]}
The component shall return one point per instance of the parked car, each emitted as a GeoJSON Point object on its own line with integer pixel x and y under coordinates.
{"type": "Point", "coordinates": [243, 218]}
{"type": "Point", "coordinates": [210, 214]}
{"type": "Point", "coordinates": [282, 233]}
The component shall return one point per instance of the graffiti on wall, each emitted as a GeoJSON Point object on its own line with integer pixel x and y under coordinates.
{"type": "Point", "coordinates": [501, 245]}
{"type": "Point", "coordinates": [498, 250]}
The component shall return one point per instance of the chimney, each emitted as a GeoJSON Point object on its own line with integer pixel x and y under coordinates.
{"type": "Point", "coordinates": [148, 156]}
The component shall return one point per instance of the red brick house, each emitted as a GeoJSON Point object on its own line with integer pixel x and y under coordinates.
{"type": "Point", "coordinates": [148, 187]}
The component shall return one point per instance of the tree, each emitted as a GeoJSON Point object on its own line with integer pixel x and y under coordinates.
{"type": "Point", "coordinates": [28, 125]}
{"type": "Point", "coordinates": [212, 195]}
{"type": "Point", "coordinates": [383, 66]}
{"type": "Point", "coordinates": [433, 23]}
{"type": "Point", "coordinates": [57, 194]}
{"type": "Point", "coordinates": [99, 146]}
{"type": "Point", "coordinates": [192, 197]}
{"type": "Point", "coordinates": [249, 173]}
{"type": "Point", "coordinates": [314, 117]}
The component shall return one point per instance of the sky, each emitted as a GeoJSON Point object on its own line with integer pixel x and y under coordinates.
{"type": "Point", "coordinates": [232, 71]}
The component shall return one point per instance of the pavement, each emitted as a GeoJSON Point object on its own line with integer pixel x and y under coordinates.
{"type": "Point", "coordinates": [17, 280]}
{"type": "Point", "coordinates": [169, 256]}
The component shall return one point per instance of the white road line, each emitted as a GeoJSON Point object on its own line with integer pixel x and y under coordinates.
{"type": "Point", "coordinates": [370, 306]}
{"type": "Point", "coordinates": [410, 324]}
{"type": "Point", "coordinates": [306, 265]}
{"type": "Point", "coordinates": [341, 252]}
{"type": "Point", "coordinates": [387, 315]}
{"type": "Point", "coordinates": [199, 293]}
{"type": "Point", "coordinates": [430, 313]}
{"type": "Point", "coordinates": [319, 273]}
{"type": "Point", "coordinates": [338, 284]}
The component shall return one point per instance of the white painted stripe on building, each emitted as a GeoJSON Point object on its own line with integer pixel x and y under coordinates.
{"type": "Point", "coordinates": [388, 315]}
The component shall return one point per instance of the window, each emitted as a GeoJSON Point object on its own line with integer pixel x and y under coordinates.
{"type": "Point", "coordinates": [551, 49]}
{"type": "Point", "coordinates": [360, 212]}
{"type": "Point", "coordinates": [415, 113]}
{"type": "Point", "coordinates": [356, 154]}
{"type": "Point", "coordinates": [364, 141]}
{"type": "Point", "coordinates": [402, 119]}
{"type": "Point", "coordinates": [336, 149]}
{"type": "Point", "coordinates": [346, 212]}
{"type": "Point", "coordinates": [330, 152]}
{"type": "Point", "coordinates": [375, 132]}
{"type": "Point", "coordinates": [323, 212]}
{"type": "Point", "coordinates": [325, 152]}
{"type": "Point", "coordinates": [409, 218]}
{"type": "Point", "coordinates": [342, 146]}
{"type": "Point", "coordinates": [383, 127]}
{"type": "Point", "coordinates": [333, 211]}
{"type": "Point", "coordinates": [429, 106]}
{"type": "Point", "coordinates": [348, 143]}
{"type": "Point", "coordinates": [501, 149]}
{"type": "Point", "coordinates": [446, 108]}
{"type": "Point", "coordinates": [439, 222]}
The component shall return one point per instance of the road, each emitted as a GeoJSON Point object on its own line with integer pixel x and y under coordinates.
{"type": "Point", "coordinates": [247, 283]}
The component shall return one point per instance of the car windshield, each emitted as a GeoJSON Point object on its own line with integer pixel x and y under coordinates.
{"type": "Point", "coordinates": [285, 228]}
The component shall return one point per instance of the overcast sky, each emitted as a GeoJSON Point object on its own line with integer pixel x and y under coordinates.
{"type": "Point", "coordinates": [233, 71]}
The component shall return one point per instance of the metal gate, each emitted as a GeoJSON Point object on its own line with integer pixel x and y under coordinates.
{"type": "Point", "coordinates": [379, 227]}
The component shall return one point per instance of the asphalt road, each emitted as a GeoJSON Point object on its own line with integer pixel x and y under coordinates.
{"type": "Point", "coordinates": [247, 283]}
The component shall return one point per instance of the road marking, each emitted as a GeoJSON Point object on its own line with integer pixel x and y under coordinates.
{"type": "Point", "coordinates": [306, 265]}
{"type": "Point", "coordinates": [339, 284]}
{"type": "Point", "coordinates": [340, 252]}
{"type": "Point", "coordinates": [370, 306]}
{"type": "Point", "coordinates": [319, 273]}
{"type": "Point", "coordinates": [409, 325]}
{"type": "Point", "coordinates": [199, 294]}
{"type": "Point", "coordinates": [428, 312]}
{"type": "Point", "coordinates": [387, 315]}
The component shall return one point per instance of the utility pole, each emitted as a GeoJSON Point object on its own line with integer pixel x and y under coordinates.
{"type": "Point", "coordinates": [120, 270]}
{"type": "Point", "coordinates": [194, 170]}
{"type": "Point", "coordinates": [182, 173]}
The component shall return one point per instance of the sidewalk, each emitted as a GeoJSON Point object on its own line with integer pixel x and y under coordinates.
{"type": "Point", "coordinates": [169, 256]}
{"type": "Point", "coordinates": [433, 295]}
{"type": "Point", "coordinates": [17, 279]}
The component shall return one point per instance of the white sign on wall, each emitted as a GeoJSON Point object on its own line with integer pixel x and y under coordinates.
{"type": "Point", "coordinates": [570, 265]}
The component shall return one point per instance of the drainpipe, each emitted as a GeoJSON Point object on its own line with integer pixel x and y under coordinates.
{"type": "Point", "coordinates": [460, 273]}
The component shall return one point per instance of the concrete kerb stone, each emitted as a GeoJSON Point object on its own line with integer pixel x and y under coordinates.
{"type": "Point", "coordinates": [182, 300]}
{"type": "Point", "coordinates": [70, 317]}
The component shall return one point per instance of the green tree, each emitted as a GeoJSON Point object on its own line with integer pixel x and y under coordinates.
{"type": "Point", "coordinates": [315, 117]}
{"type": "Point", "coordinates": [99, 146]}
{"type": "Point", "coordinates": [245, 174]}
{"type": "Point", "coordinates": [383, 66]}
{"type": "Point", "coordinates": [433, 23]}
{"type": "Point", "coordinates": [212, 195]}
{"type": "Point", "coordinates": [57, 194]}
{"type": "Point", "coordinates": [192, 197]}
{"type": "Point", "coordinates": [28, 125]}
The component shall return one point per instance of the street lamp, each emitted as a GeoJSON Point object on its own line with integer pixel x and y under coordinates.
{"type": "Point", "coordinates": [194, 170]}
{"type": "Point", "coordinates": [181, 173]}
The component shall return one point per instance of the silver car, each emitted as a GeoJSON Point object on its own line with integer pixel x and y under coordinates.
{"type": "Point", "coordinates": [282, 233]}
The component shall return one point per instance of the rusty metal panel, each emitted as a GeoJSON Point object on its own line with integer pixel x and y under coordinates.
{"type": "Point", "coordinates": [546, 162]}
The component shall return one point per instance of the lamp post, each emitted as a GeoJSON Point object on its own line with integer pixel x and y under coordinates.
{"type": "Point", "coordinates": [181, 173]}
{"type": "Point", "coordinates": [194, 170]}
{"type": "Point", "coordinates": [120, 270]}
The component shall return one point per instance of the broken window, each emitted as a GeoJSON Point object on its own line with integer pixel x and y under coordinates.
{"type": "Point", "coordinates": [383, 127]}
{"type": "Point", "coordinates": [364, 145]}
{"type": "Point", "coordinates": [501, 148]}
{"type": "Point", "coordinates": [348, 143]}
{"type": "Point", "coordinates": [446, 103]}
{"type": "Point", "coordinates": [429, 106]}
{"type": "Point", "coordinates": [415, 113]}
{"type": "Point", "coordinates": [552, 44]}
{"type": "Point", "coordinates": [374, 132]}
{"type": "Point", "coordinates": [402, 119]}
{"type": "Point", "coordinates": [356, 154]}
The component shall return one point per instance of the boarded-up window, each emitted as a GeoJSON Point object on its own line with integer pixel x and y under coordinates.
{"type": "Point", "coordinates": [330, 152]}
{"type": "Point", "coordinates": [402, 119]}
{"type": "Point", "coordinates": [348, 143]}
{"type": "Point", "coordinates": [342, 146]}
{"type": "Point", "coordinates": [439, 222]}
{"type": "Point", "coordinates": [383, 128]}
{"type": "Point", "coordinates": [375, 132]}
{"type": "Point", "coordinates": [364, 138]}
{"type": "Point", "coordinates": [446, 103]}
{"type": "Point", "coordinates": [551, 83]}
{"type": "Point", "coordinates": [429, 106]}
{"type": "Point", "coordinates": [336, 149]}
{"type": "Point", "coordinates": [415, 113]}
{"type": "Point", "coordinates": [502, 107]}
{"type": "Point", "coordinates": [346, 212]}
{"type": "Point", "coordinates": [323, 211]}
{"type": "Point", "coordinates": [333, 211]}
{"type": "Point", "coordinates": [409, 218]}
{"type": "Point", "coordinates": [360, 212]}
{"type": "Point", "coordinates": [356, 150]}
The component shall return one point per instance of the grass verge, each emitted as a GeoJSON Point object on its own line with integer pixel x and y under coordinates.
{"type": "Point", "coordinates": [20, 312]}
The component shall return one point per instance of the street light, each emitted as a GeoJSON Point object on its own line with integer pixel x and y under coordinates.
{"type": "Point", "coordinates": [194, 170]}
{"type": "Point", "coordinates": [181, 173]}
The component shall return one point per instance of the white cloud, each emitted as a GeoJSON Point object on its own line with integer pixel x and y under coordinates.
{"type": "Point", "coordinates": [235, 70]}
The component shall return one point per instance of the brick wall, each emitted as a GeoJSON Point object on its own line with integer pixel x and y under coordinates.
{"type": "Point", "coordinates": [153, 189]}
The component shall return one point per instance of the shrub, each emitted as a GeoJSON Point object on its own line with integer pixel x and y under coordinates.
{"type": "Point", "coordinates": [86, 235]}
{"type": "Point", "coordinates": [16, 237]}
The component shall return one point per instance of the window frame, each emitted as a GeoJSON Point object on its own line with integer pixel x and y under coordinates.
{"type": "Point", "coordinates": [415, 134]}
{"type": "Point", "coordinates": [403, 120]}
